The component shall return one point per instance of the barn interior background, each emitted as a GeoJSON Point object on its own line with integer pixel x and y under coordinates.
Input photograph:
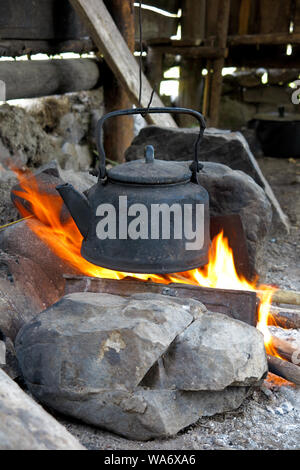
{"type": "Point", "coordinates": [63, 65]}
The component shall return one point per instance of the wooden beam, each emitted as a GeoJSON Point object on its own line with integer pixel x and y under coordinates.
{"type": "Point", "coordinates": [267, 39]}
{"type": "Point", "coordinates": [118, 132]}
{"type": "Point", "coordinates": [191, 80]}
{"type": "Point", "coordinates": [121, 61]}
{"type": "Point", "coordinates": [34, 78]}
{"type": "Point", "coordinates": [193, 19]}
{"type": "Point", "coordinates": [218, 64]}
{"type": "Point", "coordinates": [191, 51]}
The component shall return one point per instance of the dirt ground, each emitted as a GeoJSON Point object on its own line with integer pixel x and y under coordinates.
{"type": "Point", "coordinates": [271, 418]}
{"type": "Point", "coordinates": [282, 256]}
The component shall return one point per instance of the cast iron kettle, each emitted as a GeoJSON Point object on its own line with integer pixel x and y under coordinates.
{"type": "Point", "coordinates": [132, 190]}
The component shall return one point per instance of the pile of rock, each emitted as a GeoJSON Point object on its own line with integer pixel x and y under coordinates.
{"type": "Point", "coordinates": [145, 366]}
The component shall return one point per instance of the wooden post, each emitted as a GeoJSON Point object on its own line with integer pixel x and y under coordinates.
{"type": "Point", "coordinates": [218, 64]}
{"type": "Point", "coordinates": [191, 80]}
{"type": "Point", "coordinates": [118, 133]}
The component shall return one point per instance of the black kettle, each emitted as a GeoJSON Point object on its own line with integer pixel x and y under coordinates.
{"type": "Point", "coordinates": [145, 216]}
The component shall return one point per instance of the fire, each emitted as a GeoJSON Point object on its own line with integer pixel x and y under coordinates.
{"type": "Point", "coordinates": [63, 237]}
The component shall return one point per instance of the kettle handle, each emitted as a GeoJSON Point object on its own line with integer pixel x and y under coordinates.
{"type": "Point", "coordinates": [143, 111]}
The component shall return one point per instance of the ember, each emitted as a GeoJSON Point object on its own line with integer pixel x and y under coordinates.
{"type": "Point", "coordinates": [64, 238]}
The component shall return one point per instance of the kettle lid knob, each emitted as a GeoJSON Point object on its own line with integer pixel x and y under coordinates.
{"type": "Point", "coordinates": [149, 154]}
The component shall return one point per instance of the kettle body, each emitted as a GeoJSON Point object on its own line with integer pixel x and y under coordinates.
{"type": "Point", "coordinates": [145, 216]}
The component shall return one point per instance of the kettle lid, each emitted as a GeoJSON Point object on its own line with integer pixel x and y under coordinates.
{"type": "Point", "coordinates": [150, 171]}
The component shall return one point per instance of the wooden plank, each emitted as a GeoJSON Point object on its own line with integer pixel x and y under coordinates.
{"type": "Point", "coordinates": [235, 7]}
{"type": "Point", "coordinates": [218, 64]}
{"type": "Point", "coordinates": [193, 20]}
{"type": "Point", "coordinates": [296, 17]}
{"type": "Point", "coordinates": [275, 16]}
{"type": "Point", "coordinates": [31, 79]}
{"type": "Point", "coordinates": [241, 305]}
{"type": "Point", "coordinates": [45, 19]}
{"type": "Point", "coordinates": [19, 47]}
{"type": "Point", "coordinates": [212, 7]}
{"type": "Point", "coordinates": [195, 52]}
{"type": "Point", "coordinates": [115, 97]}
{"type": "Point", "coordinates": [111, 44]}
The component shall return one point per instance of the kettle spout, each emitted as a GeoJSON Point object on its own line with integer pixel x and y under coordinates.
{"type": "Point", "coordinates": [78, 206]}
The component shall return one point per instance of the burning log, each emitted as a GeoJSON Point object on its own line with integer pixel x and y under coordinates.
{"type": "Point", "coordinates": [286, 349]}
{"type": "Point", "coordinates": [285, 317]}
{"type": "Point", "coordinates": [284, 369]}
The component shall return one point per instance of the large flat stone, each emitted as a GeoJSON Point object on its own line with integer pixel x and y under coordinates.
{"type": "Point", "coordinates": [89, 341]}
{"type": "Point", "coordinates": [89, 356]}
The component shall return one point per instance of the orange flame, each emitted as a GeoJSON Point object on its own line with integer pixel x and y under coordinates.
{"type": "Point", "coordinates": [63, 237]}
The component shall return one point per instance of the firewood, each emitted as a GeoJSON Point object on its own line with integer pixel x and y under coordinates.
{"type": "Point", "coordinates": [286, 297]}
{"type": "Point", "coordinates": [286, 317]}
{"type": "Point", "coordinates": [284, 369]}
{"type": "Point", "coordinates": [288, 350]}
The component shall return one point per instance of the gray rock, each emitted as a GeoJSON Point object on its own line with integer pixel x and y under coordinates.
{"type": "Point", "coordinates": [220, 352]}
{"type": "Point", "coordinates": [234, 114]}
{"type": "Point", "coordinates": [144, 414]}
{"type": "Point", "coordinates": [275, 95]}
{"type": "Point", "coordinates": [228, 148]}
{"type": "Point", "coordinates": [81, 180]}
{"type": "Point", "coordinates": [88, 355]}
{"type": "Point", "coordinates": [234, 192]}
{"type": "Point", "coordinates": [10, 367]}
{"type": "Point", "coordinates": [120, 339]}
{"type": "Point", "coordinates": [2, 353]}
{"type": "Point", "coordinates": [78, 157]}
{"type": "Point", "coordinates": [71, 129]}
{"type": "Point", "coordinates": [8, 212]}
{"type": "Point", "coordinates": [24, 425]}
{"type": "Point", "coordinates": [15, 308]}
{"type": "Point", "coordinates": [23, 136]}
